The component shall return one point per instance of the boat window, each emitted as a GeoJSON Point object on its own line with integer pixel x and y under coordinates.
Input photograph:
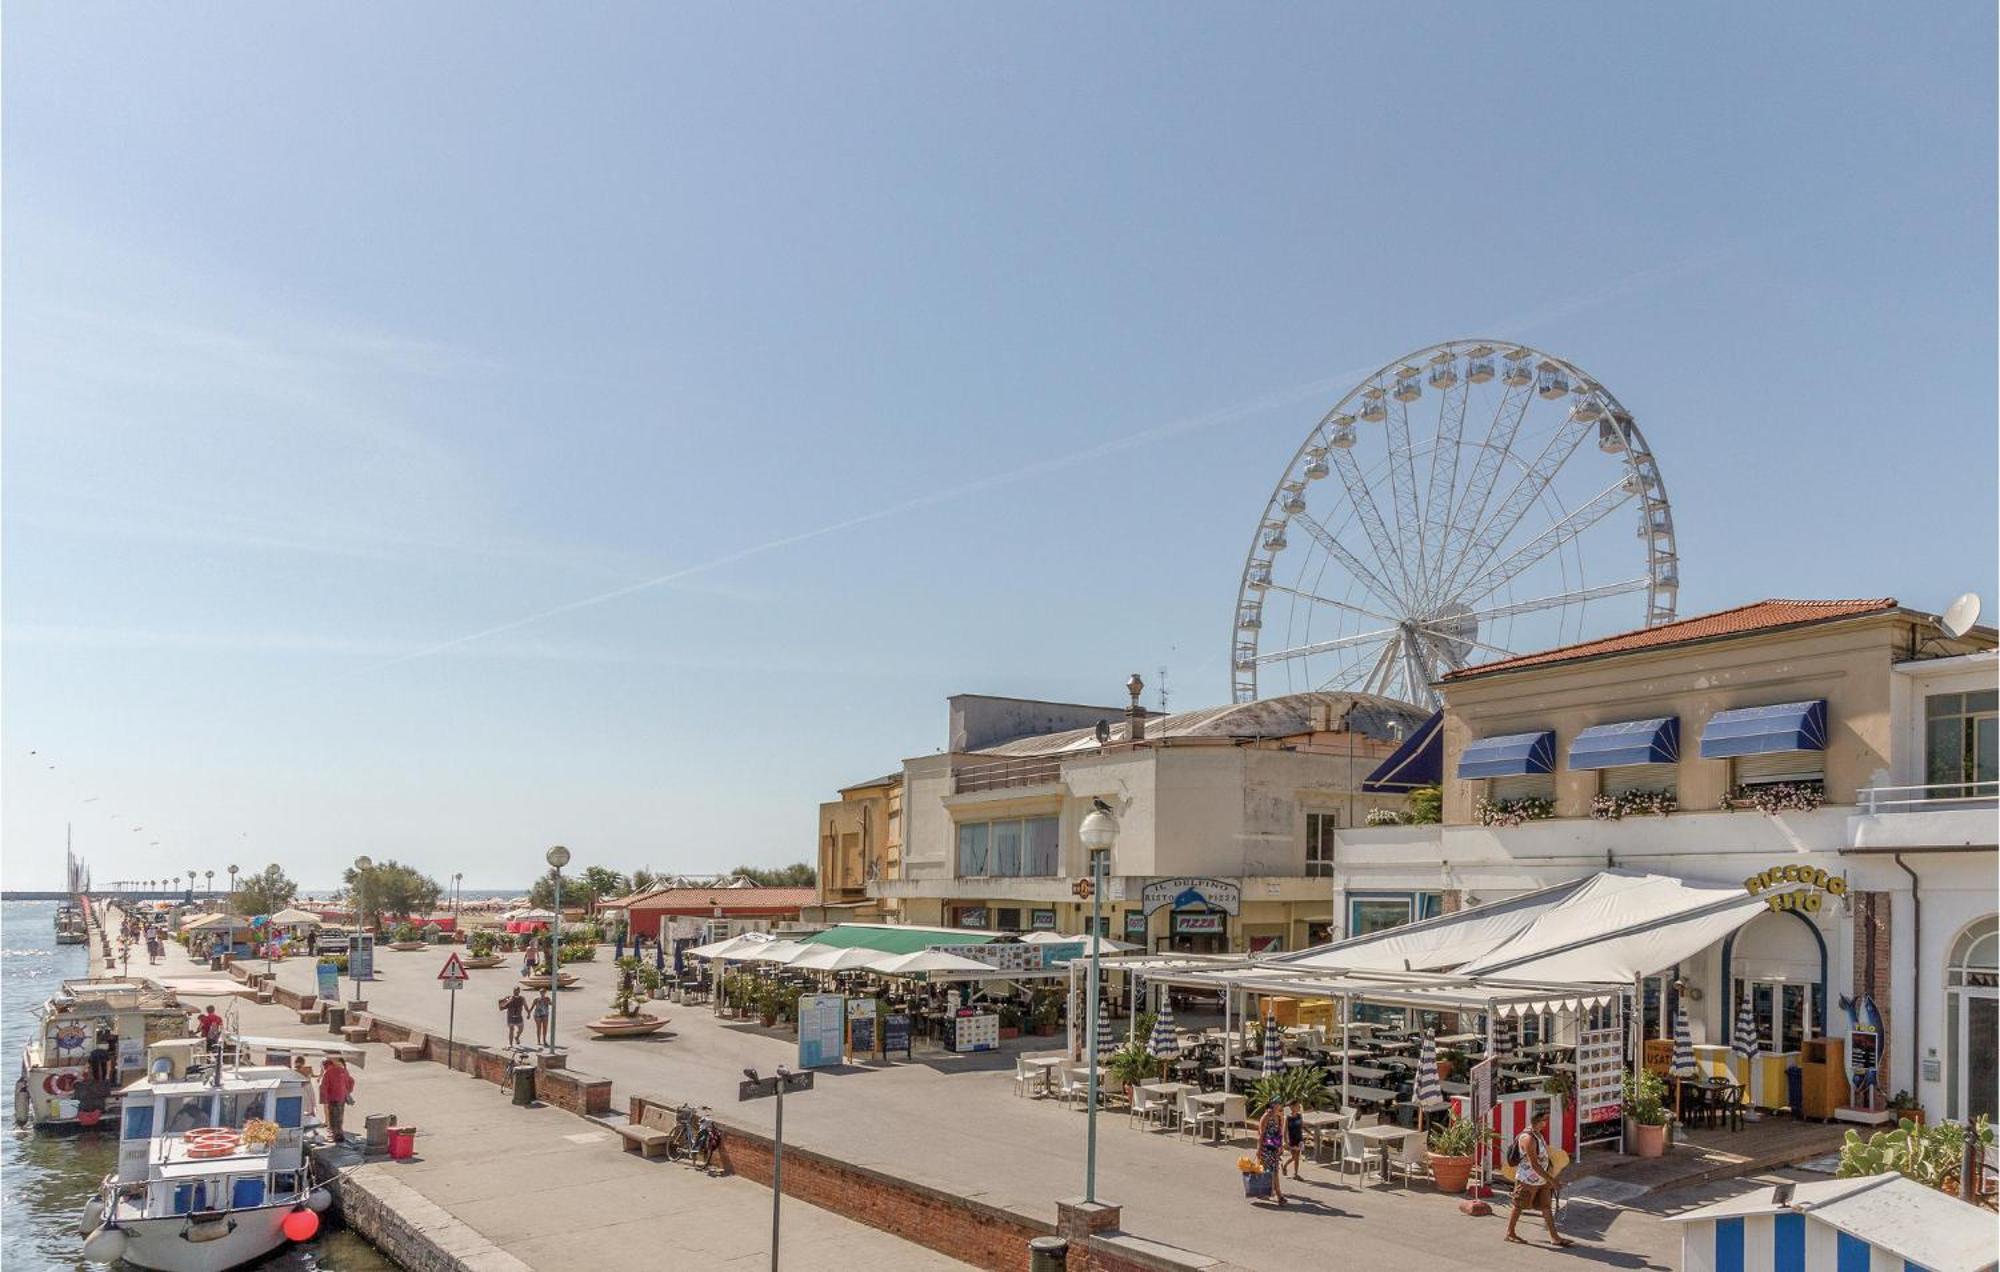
{"type": "Point", "coordinates": [248, 1191]}
{"type": "Point", "coordinates": [138, 1121]}
{"type": "Point", "coordinates": [291, 1111]}
{"type": "Point", "coordinates": [239, 1107]}
{"type": "Point", "coordinates": [285, 1183]}
{"type": "Point", "coordinates": [185, 1113]}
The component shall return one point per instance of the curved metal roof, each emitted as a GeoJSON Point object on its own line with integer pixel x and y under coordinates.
{"type": "Point", "coordinates": [1367, 714]}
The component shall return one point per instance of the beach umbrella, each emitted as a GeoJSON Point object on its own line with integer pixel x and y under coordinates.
{"type": "Point", "coordinates": [1428, 1095]}
{"type": "Point", "coordinates": [1683, 1064]}
{"type": "Point", "coordinates": [1164, 1044]}
{"type": "Point", "coordinates": [1274, 1047]}
{"type": "Point", "coordinates": [1106, 1044]}
{"type": "Point", "coordinates": [1745, 1042]}
{"type": "Point", "coordinates": [660, 957]}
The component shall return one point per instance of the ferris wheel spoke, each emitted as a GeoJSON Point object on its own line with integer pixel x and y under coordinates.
{"type": "Point", "coordinates": [1470, 511]}
{"type": "Point", "coordinates": [1379, 675]}
{"type": "Point", "coordinates": [1338, 551]}
{"type": "Point", "coordinates": [1443, 483]}
{"type": "Point", "coordinates": [1369, 515]}
{"type": "Point", "coordinates": [1528, 488]}
{"type": "Point", "coordinates": [1317, 599]}
{"type": "Point", "coordinates": [1403, 492]}
{"type": "Point", "coordinates": [1328, 646]}
{"type": "Point", "coordinates": [1443, 639]}
{"type": "Point", "coordinates": [1557, 600]}
{"type": "Point", "coordinates": [1600, 505]}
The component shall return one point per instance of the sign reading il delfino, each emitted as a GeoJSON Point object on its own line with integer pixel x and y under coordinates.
{"type": "Point", "coordinates": [1192, 894]}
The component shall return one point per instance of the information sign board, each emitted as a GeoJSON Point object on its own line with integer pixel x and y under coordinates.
{"type": "Point", "coordinates": [821, 1031]}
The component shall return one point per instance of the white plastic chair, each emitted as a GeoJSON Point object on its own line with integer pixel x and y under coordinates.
{"type": "Point", "coordinates": [1025, 1079]}
{"type": "Point", "coordinates": [1354, 1153]}
{"type": "Point", "coordinates": [1409, 1156]}
{"type": "Point", "coordinates": [1235, 1111]}
{"type": "Point", "coordinates": [1186, 1112]}
{"type": "Point", "coordinates": [1143, 1107]}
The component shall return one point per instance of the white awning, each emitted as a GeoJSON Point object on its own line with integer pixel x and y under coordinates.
{"type": "Point", "coordinates": [1620, 925]}
{"type": "Point", "coordinates": [1413, 990]}
{"type": "Point", "coordinates": [730, 947]}
{"type": "Point", "coordinates": [1436, 944]}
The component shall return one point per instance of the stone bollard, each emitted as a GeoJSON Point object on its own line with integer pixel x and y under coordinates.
{"type": "Point", "coordinates": [524, 1084]}
{"type": "Point", "coordinates": [377, 1142]}
{"type": "Point", "coordinates": [1048, 1254]}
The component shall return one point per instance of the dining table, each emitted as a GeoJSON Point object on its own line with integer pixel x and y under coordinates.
{"type": "Point", "coordinates": [1369, 1094]}
{"type": "Point", "coordinates": [1048, 1066]}
{"type": "Point", "coordinates": [1241, 1073]}
{"type": "Point", "coordinates": [1317, 1123]}
{"type": "Point", "coordinates": [1384, 1136]}
{"type": "Point", "coordinates": [1461, 1040]}
{"type": "Point", "coordinates": [1367, 1072]}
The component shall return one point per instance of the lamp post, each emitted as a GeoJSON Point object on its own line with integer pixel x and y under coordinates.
{"type": "Point", "coordinates": [557, 857]}
{"type": "Point", "coordinates": [362, 865]}
{"type": "Point", "coordinates": [1097, 832]}
{"type": "Point", "coordinates": [232, 889]}
{"type": "Point", "coordinates": [457, 893]}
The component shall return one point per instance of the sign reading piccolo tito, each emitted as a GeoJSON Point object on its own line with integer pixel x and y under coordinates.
{"type": "Point", "coordinates": [1819, 886]}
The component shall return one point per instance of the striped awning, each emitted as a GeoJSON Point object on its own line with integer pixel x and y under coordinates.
{"type": "Point", "coordinates": [1603, 746]}
{"type": "Point", "coordinates": [1509, 755]}
{"type": "Point", "coordinates": [1783, 726]}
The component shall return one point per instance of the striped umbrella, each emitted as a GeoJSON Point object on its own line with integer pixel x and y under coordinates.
{"type": "Point", "coordinates": [1745, 1042]}
{"type": "Point", "coordinates": [1683, 1065]}
{"type": "Point", "coordinates": [1503, 1036]}
{"type": "Point", "coordinates": [1164, 1044]}
{"type": "Point", "coordinates": [1274, 1049]}
{"type": "Point", "coordinates": [1428, 1094]}
{"type": "Point", "coordinates": [1106, 1044]}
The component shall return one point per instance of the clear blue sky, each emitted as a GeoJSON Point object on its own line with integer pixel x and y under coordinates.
{"type": "Point", "coordinates": [338, 334]}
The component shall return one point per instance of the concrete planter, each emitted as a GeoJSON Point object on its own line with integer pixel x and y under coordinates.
{"type": "Point", "coordinates": [1649, 1141]}
{"type": "Point", "coordinates": [407, 946]}
{"type": "Point", "coordinates": [481, 963]}
{"type": "Point", "coordinates": [539, 981]}
{"type": "Point", "coordinates": [626, 1026]}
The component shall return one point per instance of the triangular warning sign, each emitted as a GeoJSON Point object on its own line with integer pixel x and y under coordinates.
{"type": "Point", "coordinates": [453, 969]}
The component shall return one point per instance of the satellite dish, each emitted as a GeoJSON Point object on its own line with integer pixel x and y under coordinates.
{"type": "Point", "coordinates": [1960, 615]}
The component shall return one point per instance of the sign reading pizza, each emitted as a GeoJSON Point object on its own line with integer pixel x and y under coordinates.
{"type": "Point", "coordinates": [1212, 895]}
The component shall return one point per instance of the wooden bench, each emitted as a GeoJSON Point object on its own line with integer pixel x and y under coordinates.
{"type": "Point", "coordinates": [411, 1050]}
{"type": "Point", "coordinates": [646, 1141]}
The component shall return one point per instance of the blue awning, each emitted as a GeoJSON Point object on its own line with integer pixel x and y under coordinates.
{"type": "Point", "coordinates": [1603, 746]}
{"type": "Point", "coordinates": [1785, 726]}
{"type": "Point", "coordinates": [1418, 762]}
{"type": "Point", "coordinates": [1510, 755]}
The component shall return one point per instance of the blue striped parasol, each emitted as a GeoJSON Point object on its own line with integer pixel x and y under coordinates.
{"type": "Point", "coordinates": [1106, 1044]}
{"type": "Point", "coordinates": [1428, 1095]}
{"type": "Point", "coordinates": [1165, 1044]}
{"type": "Point", "coordinates": [1683, 1065]}
{"type": "Point", "coordinates": [1274, 1049]}
{"type": "Point", "coordinates": [1745, 1042]}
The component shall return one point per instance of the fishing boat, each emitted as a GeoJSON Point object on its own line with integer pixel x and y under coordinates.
{"type": "Point", "coordinates": [70, 927]}
{"type": "Point", "coordinates": [212, 1165]}
{"type": "Point", "coordinates": [119, 1016]}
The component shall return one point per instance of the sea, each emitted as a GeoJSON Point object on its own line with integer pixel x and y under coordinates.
{"type": "Point", "coordinates": [45, 1179]}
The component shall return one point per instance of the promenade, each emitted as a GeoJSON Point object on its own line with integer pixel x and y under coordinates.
{"type": "Point", "coordinates": [953, 1123]}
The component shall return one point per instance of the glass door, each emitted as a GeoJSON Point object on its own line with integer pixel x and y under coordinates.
{"type": "Point", "coordinates": [1978, 1029]}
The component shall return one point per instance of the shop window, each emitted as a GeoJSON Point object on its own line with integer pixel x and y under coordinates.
{"type": "Point", "coordinates": [1009, 849]}
{"type": "Point", "coordinates": [1962, 744]}
{"type": "Point", "coordinates": [1787, 1013]}
{"type": "Point", "coordinates": [1521, 786]}
{"type": "Point", "coordinates": [1372, 912]}
{"type": "Point", "coordinates": [1319, 844]}
{"type": "Point", "coordinates": [1972, 1021]}
{"type": "Point", "coordinates": [1008, 919]}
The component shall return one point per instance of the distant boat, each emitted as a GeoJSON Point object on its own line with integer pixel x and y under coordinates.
{"type": "Point", "coordinates": [70, 927]}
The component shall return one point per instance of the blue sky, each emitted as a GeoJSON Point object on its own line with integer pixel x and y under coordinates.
{"type": "Point", "coordinates": [928, 349]}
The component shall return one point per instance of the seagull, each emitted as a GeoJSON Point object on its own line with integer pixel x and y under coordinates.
{"type": "Point", "coordinates": [1099, 805]}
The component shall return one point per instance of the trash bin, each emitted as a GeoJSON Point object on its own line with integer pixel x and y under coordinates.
{"type": "Point", "coordinates": [1048, 1254]}
{"type": "Point", "coordinates": [336, 1019]}
{"type": "Point", "coordinates": [524, 1084]}
{"type": "Point", "coordinates": [376, 1141]}
{"type": "Point", "coordinates": [1795, 1089]}
{"type": "Point", "coordinates": [402, 1142]}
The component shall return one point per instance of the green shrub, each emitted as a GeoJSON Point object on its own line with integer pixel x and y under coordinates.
{"type": "Point", "coordinates": [1457, 1138]}
{"type": "Point", "coordinates": [1646, 1098]}
{"type": "Point", "coordinates": [406, 931]}
{"type": "Point", "coordinates": [1929, 1154]}
{"type": "Point", "coordinates": [481, 943]}
{"type": "Point", "coordinates": [1307, 1086]}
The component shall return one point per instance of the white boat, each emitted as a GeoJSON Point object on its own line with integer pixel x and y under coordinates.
{"type": "Point", "coordinates": [211, 1166]}
{"type": "Point", "coordinates": [70, 927]}
{"type": "Point", "coordinates": [55, 1090]}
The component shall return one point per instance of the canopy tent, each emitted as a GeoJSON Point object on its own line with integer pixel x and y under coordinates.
{"type": "Point", "coordinates": [897, 938]}
{"type": "Point", "coordinates": [1619, 926]}
{"type": "Point", "coordinates": [1436, 944]}
{"type": "Point", "coordinates": [833, 958]}
{"type": "Point", "coordinates": [730, 946]}
{"type": "Point", "coordinates": [769, 952]}
{"type": "Point", "coordinates": [531, 915]}
{"type": "Point", "coordinates": [290, 917]}
{"type": "Point", "coordinates": [928, 963]}
{"type": "Point", "coordinates": [215, 923]}
{"type": "Point", "coordinates": [1104, 944]}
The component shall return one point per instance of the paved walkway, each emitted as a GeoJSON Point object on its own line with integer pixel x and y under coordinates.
{"type": "Point", "coordinates": [954, 1123]}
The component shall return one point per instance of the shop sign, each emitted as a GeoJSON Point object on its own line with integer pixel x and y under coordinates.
{"type": "Point", "coordinates": [972, 916]}
{"type": "Point", "coordinates": [1818, 885]}
{"type": "Point", "coordinates": [1192, 894]}
{"type": "Point", "coordinates": [1003, 956]}
{"type": "Point", "coordinates": [1042, 920]}
{"type": "Point", "coordinates": [1135, 926]}
{"type": "Point", "coordinates": [1199, 922]}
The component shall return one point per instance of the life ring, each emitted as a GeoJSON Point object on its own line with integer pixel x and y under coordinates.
{"type": "Point", "coordinates": [212, 1141]}
{"type": "Point", "coordinates": [59, 1084]}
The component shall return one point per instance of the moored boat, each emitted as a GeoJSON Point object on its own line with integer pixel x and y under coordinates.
{"type": "Point", "coordinates": [117, 1017]}
{"type": "Point", "coordinates": [70, 926]}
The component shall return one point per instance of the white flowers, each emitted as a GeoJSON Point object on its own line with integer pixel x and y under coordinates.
{"type": "Point", "coordinates": [1512, 812]}
{"type": "Point", "coordinates": [1633, 803]}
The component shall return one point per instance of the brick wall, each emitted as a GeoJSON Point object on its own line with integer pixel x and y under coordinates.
{"type": "Point", "coordinates": [1872, 912]}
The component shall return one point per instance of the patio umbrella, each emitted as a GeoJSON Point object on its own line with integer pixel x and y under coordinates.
{"type": "Point", "coordinates": [1274, 1047]}
{"type": "Point", "coordinates": [1428, 1094]}
{"type": "Point", "coordinates": [1503, 1036]}
{"type": "Point", "coordinates": [1165, 1043]}
{"type": "Point", "coordinates": [833, 958]}
{"type": "Point", "coordinates": [1745, 1042]}
{"type": "Point", "coordinates": [926, 963]}
{"type": "Point", "coordinates": [660, 957]}
{"type": "Point", "coordinates": [1683, 1066]}
{"type": "Point", "coordinates": [1106, 1044]}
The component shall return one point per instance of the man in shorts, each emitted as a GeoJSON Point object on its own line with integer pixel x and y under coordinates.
{"type": "Point", "coordinates": [516, 1008]}
{"type": "Point", "coordinates": [1535, 1180]}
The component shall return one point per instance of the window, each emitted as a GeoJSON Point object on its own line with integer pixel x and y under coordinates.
{"type": "Point", "coordinates": [1786, 1012]}
{"type": "Point", "coordinates": [1523, 786]}
{"type": "Point", "coordinates": [1972, 1020]}
{"type": "Point", "coordinates": [138, 1121]}
{"type": "Point", "coordinates": [246, 1192]}
{"type": "Point", "coordinates": [1961, 743]}
{"type": "Point", "coordinates": [1009, 849]}
{"type": "Point", "coordinates": [1008, 919]}
{"type": "Point", "coordinates": [1366, 913]}
{"type": "Point", "coordinates": [1319, 844]}
{"type": "Point", "coordinates": [1779, 766]}
{"type": "Point", "coordinates": [290, 1111]}
{"type": "Point", "coordinates": [1625, 778]}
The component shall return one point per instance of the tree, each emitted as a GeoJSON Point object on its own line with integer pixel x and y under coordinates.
{"type": "Point", "coordinates": [585, 889]}
{"type": "Point", "coordinates": [603, 882]}
{"type": "Point", "coordinates": [265, 893]}
{"type": "Point", "coordinates": [393, 890]}
{"type": "Point", "coordinates": [798, 875]}
{"type": "Point", "coordinates": [644, 880]}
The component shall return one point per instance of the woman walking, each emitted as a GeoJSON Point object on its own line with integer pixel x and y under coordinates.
{"type": "Point", "coordinates": [1295, 1134]}
{"type": "Point", "coordinates": [541, 1014]}
{"type": "Point", "coordinates": [1270, 1147]}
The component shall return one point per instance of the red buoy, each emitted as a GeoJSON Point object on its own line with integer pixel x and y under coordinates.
{"type": "Point", "coordinates": [301, 1225]}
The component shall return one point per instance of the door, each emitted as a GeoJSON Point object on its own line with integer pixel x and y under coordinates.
{"type": "Point", "coordinates": [1978, 1027]}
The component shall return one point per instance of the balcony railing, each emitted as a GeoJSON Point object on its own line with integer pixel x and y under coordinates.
{"type": "Point", "coordinates": [994, 775]}
{"type": "Point", "coordinates": [1933, 798]}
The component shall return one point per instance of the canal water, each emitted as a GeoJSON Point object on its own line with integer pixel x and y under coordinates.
{"type": "Point", "coordinates": [45, 1179]}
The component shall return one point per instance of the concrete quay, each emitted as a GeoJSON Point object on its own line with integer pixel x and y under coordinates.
{"type": "Point", "coordinates": [967, 1156]}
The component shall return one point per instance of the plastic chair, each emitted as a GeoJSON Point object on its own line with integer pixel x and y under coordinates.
{"type": "Point", "coordinates": [1144, 1104]}
{"type": "Point", "coordinates": [1190, 1114]}
{"type": "Point", "coordinates": [1235, 1111]}
{"type": "Point", "coordinates": [1409, 1158]}
{"type": "Point", "coordinates": [1025, 1079]}
{"type": "Point", "coordinates": [1354, 1153]}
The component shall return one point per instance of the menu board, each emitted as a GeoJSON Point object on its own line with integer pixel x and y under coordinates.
{"type": "Point", "coordinates": [1600, 1061]}
{"type": "Point", "coordinates": [1005, 956]}
{"type": "Point", "coordinates": [896, 1033]}
{"type": "Point", "coordinates": [975, 1032]}
{"type": "Point", "coordinates": [861, 1032]}
{"type": "Point", "coordinates": [329, 981]}
{"type": "Point", "coordinates": [821, 1032]}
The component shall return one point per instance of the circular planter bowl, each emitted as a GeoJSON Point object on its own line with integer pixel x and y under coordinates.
{"type": "Point", "coordinates": [407, 946]}
{"type": "Point", "coordinates": [539, 981]}
{"type": "Point", "coordinates": [480, 964]}
{"type": "Point", "coordinates": [626, 1026]}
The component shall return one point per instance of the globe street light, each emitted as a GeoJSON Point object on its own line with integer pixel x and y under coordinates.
{"type": "Point", "coordinates": [232, 889]}
{"type": "Point", "coordinates": [557, 857]}
{"type": "Point", "coordinates": [1098, 831]}
{"type": "Point", "coordinates": [362, 865]}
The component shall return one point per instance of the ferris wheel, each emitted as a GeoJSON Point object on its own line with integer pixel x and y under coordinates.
{"type": "Point", "coordinates": [1447, 511]}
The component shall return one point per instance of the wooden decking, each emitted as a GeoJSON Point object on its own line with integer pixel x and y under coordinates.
{"type": "Point", "coordinates": [1701, 1154]}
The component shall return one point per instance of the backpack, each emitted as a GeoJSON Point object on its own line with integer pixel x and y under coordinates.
{"type": "Point", "coordinates": [1514, 1152]}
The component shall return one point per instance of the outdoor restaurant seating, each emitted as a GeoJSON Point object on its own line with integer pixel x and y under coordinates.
{"type": "Point", "coordinates": [1354, 1152]}
{"type": "Point", "coordinates": [1409, 1157]}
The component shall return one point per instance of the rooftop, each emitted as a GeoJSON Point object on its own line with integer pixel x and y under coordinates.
{"type": "Point", "coordinates": [1287, 716]}
{"type": "Point", "coordinates": [1756, 617]}
{"type": "Point", "coordinates": [730, 899]}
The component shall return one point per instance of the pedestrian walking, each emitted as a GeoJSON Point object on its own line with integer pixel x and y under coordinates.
{"type": "Point", "coordinates": [528, 958]}
{"type": "Point", "coordinates": [1270, 1141]}
{"type": "Point", "coordinates": [1295, 1134]}
{"type": "Point", "coordinates": [209, 1026]}
{"type": "Point", "coordinates": [336, 1092]}
{"type": "Point", "coordinates": [540, 1011]}
{"type": "Point", "coordinates": [516, 1008]}
{"type": "Point", "coordinates": [1534, 1179]}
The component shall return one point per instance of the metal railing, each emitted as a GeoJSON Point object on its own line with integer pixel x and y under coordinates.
{"type": "Point", "coordinates": [1930, 798]}
{"type": "Point", "coordinates": [999, 774]}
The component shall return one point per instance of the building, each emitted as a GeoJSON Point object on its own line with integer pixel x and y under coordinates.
{"type": "Point", "coordinates": [686, 916]}
{"type": "Point", "coordinates": [860, 842]}
{"type": "Point", "coordinates": [1842, 747]}
{"type": "Point", "coordinates": [1226, 817]}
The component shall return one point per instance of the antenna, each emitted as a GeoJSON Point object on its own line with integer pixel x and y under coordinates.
{"type": "Point", "coordinates": [1960, 615]}
{"type": "Point", "coordinates": [1163, 691]}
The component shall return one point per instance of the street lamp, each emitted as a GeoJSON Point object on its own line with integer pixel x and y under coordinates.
{"type": "Point", "coordinates": [457, 891]}
{"type": "Point", "coordinates": [232, 889]}
{"type": "Point", "coordinates": [208, 882]}
{"type": "Point", "coordinates": [362, 865]}
{"type": "Point", "coordinates": [1098, 831]}
{"type": "Point", "coordinates": [557, 857]}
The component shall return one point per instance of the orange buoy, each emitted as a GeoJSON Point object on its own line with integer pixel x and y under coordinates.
{"type": "Point", "coordinates": [301, 1225]}
{"type": "Point", "coordinates": [212, 1141]}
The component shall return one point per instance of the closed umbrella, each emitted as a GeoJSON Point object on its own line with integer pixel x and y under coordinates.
{"type": "Point", "coordinates": [1683, 1066]}
{"type": "Point", "coordinates": [1274, 1049]}
{"type": "Point", "coordinates": [660, 957]}
{"type": "Point", "coordinates": [1428, 1094]}
{"type": "Point", "coordinates": [1165, 1044]}
{"type": "Point", "coordinates": [1745, 1042]}
{"type": "Point", "coordinates": [1106, 1044]}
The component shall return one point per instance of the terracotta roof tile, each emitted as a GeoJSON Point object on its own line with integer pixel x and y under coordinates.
{"type": "Point", "coordinates": [1758, 616]}
{"type": "Point", "coordinates": [727, 898]}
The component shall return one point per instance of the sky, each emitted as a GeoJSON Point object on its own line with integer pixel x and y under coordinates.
{"type": "Point", "coordinates": [439, 431]}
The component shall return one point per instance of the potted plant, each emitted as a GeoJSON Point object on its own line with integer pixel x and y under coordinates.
{"type": "Point", "coordinates": [635, 981]}
{"type": "Point", "coordinates": [1306, 1086]}
{"type": "Point", "coordinates": [1010, 1021]}
{"type": "Point", "coordinates": [480, 946]}
{"type": "Point", "coordinates": [1646, 1106]}
{"type": "Point", "coordinates": [1906, 1107]}
{"type": "Point", "coordinates": [1451, 1060]}
{"type": "Point", "coordinates": [1046, 1012]}
{"type": "Point", "coordinates": [1453, 1146]}
{"type": "Point", "coordinates": [1130, 1066]}
{"type": "Point", "coordinates": [406, 936]}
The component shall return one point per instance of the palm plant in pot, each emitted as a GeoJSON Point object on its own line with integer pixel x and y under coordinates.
{"type": "Point", "coordinates": [1130, 1065]}
{"type": "Point", "coordinates": [1453, 1147]}
{"type": "Point", "coordinates": [1305, 1086]}
{"type": "Point", "coordinates": [1646, 1106]}
{"type": "Point", "coordinates": [636, 980]}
